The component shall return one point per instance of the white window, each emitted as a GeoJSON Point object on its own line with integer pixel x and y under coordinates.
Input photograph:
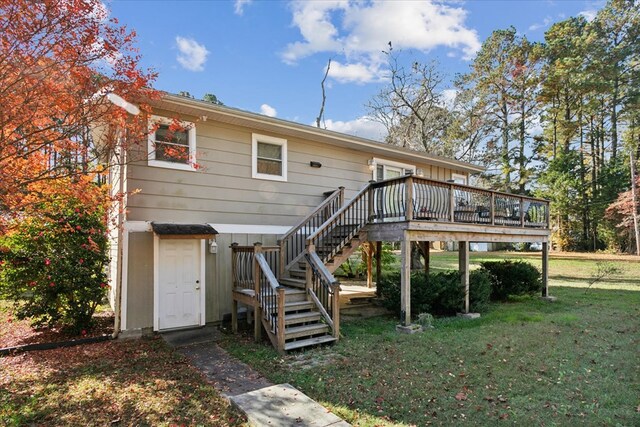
{"type": "Point", "coordinates": [269, 158]}
{"type": "Point", "coordinates": [172, 148]}
{"type": "Point", "coordinates": [458, 178]}
{"type": "Point", "coordinates": [387, 169]}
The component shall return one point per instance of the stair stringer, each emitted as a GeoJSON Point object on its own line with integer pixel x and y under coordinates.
{"type": "Point", "coordinates": [346, 251]}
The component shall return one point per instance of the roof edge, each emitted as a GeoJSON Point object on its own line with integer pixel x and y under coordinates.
{"type": "Point", "coordinates": [278, 123]}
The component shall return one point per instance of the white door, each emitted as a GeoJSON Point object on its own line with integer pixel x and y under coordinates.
{"type": "Point", "coordinates": [179, 283]}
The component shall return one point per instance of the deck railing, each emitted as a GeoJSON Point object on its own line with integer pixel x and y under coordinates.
{"type": "Point", "coordinates": [292, 244]}
{"type": "Point", "coordinates": [415, 198]}
{"type": "Point", "coordinates": [330, 237]}
{"type": "Point", "coordinates": [253, 268]}
{"type": "Point", "coordinates": [324, 290]}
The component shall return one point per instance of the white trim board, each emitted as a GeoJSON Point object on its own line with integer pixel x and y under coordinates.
{"type": "Point", "coordinates": [142, 226]}
{"type": "Point", "coordinates": [137, 226]}
{"type": "Point", "coordinates": [250, 228]}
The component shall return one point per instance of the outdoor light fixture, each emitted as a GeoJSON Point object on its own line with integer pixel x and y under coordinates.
{"type": "Point", "coordinates": [419, 172]}
{"type": "Point", "coordinates": [315, 164]}
{"type": "Point", "coordinates": [372, 164]}
{"type": "Point", "coordinates": [213, 246]}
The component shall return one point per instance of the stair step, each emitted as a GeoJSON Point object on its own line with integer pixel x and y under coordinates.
{"type": "Point", "coordinates": [294, 295]}
{"type": "Point", "coordinates": [292, 319]}
{"type": "Point", "coordinates": [298, 273]}
{"type": "Point", "coordinates": [298, 305]}
{"type": "Point", "coordinates": [308, 342]}
{"type": "Point", "coordinates": [290, 281]}
{"type": "Point", "coordinates": [306, 330]}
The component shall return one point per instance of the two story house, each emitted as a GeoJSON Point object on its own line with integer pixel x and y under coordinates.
{"type": "Point", "coordinates": [197, 199]}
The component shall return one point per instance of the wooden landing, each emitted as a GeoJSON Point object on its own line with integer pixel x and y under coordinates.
{"type": "Point", "coordinates": [352, 293]}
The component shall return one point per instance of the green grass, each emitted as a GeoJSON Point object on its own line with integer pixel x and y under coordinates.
{"type": "Point", "coordinates": [570, 270]}
{"type": "Point", "coordinates": [526, 362]}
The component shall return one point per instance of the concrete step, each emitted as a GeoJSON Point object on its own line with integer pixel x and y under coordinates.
{"type": "Point", "coordinates": [307, 317]}
{"type": "Point", "coordinates": [293, 345]}
{"type": "Point", "coordinates": [305, 330]}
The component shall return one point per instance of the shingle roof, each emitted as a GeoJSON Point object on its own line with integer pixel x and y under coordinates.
{"type": "Point", "coordinates": [182, 229]}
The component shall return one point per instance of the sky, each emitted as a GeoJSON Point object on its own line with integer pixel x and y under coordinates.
{"type": "Point", "coordinates": [269, 57]}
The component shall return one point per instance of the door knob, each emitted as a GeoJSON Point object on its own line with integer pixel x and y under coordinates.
{"type": "Point", "coordinates": [197, 281]}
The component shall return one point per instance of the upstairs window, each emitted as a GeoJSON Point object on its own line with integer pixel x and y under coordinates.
{"type": "Point", "coordinates": [269, 158]}
{"type": "Point", "coordinates": [172, 145]}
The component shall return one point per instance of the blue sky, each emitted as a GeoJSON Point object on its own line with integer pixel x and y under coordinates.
{"type": "Point", "coordinates": [269, 56]}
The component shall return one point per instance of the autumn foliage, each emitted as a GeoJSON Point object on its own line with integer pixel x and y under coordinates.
{"type": "Point", "coordinates": [58, 61]}
{"type": "Point", "coordinates": [53, 263]}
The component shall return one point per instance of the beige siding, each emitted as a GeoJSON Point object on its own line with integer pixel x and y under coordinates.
{"type": "Point", "coordinates": [217, 277]}
{"type": "Point", "coordinates": [140, 281]}
{"type": "Point", "coordinates": [220, 284]}
{"type": "Point", "coordinates": [223, 191]}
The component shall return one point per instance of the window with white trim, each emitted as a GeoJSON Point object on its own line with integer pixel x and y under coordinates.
{"type": "Point", "coordinates": [172, 146]}
{"type": "Point", "coordinates": [268, 157]}
{"type": "Point", "coordinates": [387, 169]}
{"type": "Point", "coordinates": [459, 178]}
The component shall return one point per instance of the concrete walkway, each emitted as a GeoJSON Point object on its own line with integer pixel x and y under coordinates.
{"type": "Point", "coordinates": [263, 403]}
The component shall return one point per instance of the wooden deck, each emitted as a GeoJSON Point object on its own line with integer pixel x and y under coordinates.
{"type": "Point", "coordinates": [353, 293]}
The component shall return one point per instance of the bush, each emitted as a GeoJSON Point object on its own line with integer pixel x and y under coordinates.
{"type": "Point", "coordinates": [436, 293]}
{"type": "Point", "coordinates": [53, 265]}
{"type": "Point", "coordinates": [513, 278]}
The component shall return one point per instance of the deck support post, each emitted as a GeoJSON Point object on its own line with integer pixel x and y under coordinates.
{"type": "Point", "coordinates": [463, 258]}
{"type": "Point", "coordinates": [378, 261]}
{"type": "Point", "coordinates": [545, 269]}
{"type": "Point", "coordinates": [281, 323]}
{"type": "Point", "coordinates": [234, 316]}
{"type": "Point", "coordinates": [257, 324]}
{"type": "Point", "coordinates": [369, 249]}
{"type": "Point", "coordinates": [405, 280]}
{"type": "Point", "coordinates": [335, 310]}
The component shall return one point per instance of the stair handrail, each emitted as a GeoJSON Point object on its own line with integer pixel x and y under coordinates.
{"type": "Point", "coordinates": [290, 249]}
{"type": "Point", "coordinates": [359, 200]}
{"type": "Point", "coordinates": [324, 290]}
{"type": "Point", "coordinates": [271, 296]}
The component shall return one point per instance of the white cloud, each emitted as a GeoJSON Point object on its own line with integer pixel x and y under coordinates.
{"type": "Point", "coordinates": [545, 23]}
{"type": "Point", "coordinates": [239, 6]}
{"type": "Point", "coordinates": [356, 73]}
{"type": "Point", "coordinates": [589, 14]}
{"type": "Point", "coordinates": [360, 30]}
{"type": "Point", "coordinates": [192, 54]}
{"type": "Point", "coordinates": [268, 110]}
{"type": "Point", "coordinates": [449, 97]}
{"type": "Point", "coordinates": [362, 126]}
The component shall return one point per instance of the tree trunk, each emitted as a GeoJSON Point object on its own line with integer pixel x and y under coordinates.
{"type": "Point", "coordinates": [583, 187]}
{"type": "Point", "coordinates": [506, 164]}
{"type": "Point", "coordinates": [614, 118]}
{"type": "Point", "coordinates": [522, 159]}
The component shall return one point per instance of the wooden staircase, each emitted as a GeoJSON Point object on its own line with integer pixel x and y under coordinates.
{"type": "Point", "coordinates": [291, 286]}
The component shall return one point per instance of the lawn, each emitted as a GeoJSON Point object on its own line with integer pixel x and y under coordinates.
{"type": "Point", "coordinates": [525, 362]}
{"type": "Point", "coordinates": [565, 269]}
{"type": "Point", "coordinates": [117, 383]}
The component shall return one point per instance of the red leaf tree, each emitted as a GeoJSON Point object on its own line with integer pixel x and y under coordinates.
{"type": "Point", "coordinates": [61, 62]}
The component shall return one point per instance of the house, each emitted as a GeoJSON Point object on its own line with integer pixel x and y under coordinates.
{"type": "Point", "coordinates": [184, 254]}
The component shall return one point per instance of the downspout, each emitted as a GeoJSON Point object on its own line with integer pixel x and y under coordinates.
{"type": "Point", "coordinates": [120, 224]}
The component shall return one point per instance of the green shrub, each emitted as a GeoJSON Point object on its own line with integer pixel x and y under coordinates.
{"type": "Point", "coordinates": [513, 278]}
{"type": "Point", "coordinates": [438, 293]}
{"type": "Point", "coordinates": [53, 265]}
